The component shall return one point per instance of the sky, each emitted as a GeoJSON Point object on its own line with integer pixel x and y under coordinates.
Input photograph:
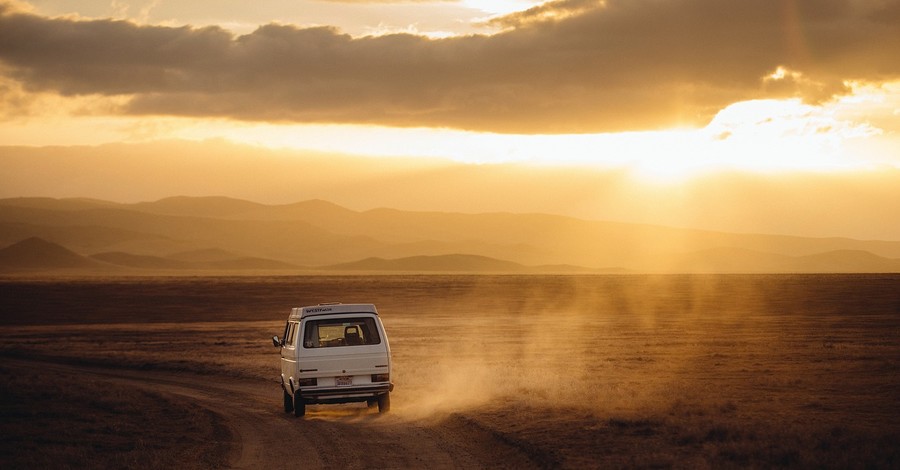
{"type": "Point", "coordinates": [667, 90]}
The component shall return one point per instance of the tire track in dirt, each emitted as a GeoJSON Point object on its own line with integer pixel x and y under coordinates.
{"type": "Point", "coordinates": [329, 436]}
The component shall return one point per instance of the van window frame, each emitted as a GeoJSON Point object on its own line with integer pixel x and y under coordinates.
{"type": "Point", "coordinates": [365, 323]}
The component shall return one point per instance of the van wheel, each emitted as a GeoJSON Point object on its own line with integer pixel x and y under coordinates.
{"type": "Point", "coordinates": [299, 405]}
{"type": "Point", "coordinates": [288, 402]}
{"type": "Point", "coordinates": [384, 403]}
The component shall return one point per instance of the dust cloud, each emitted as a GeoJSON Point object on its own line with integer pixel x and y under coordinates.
{"type": "Point", "coordinates": [600, 344]}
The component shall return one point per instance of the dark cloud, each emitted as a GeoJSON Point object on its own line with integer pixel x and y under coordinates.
{"type": "Point", "coordinates": [562, 67]}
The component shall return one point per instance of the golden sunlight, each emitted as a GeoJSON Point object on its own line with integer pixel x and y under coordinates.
{"type": "Point", "coordinates": [759, 136]}
{"type": "Point", "coordinates": [499, 7]}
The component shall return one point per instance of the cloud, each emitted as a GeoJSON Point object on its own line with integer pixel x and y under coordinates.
{"type": "Point", "coordinates": [614, 65]}
{"type": "Point", "coordinates": [549, 11]}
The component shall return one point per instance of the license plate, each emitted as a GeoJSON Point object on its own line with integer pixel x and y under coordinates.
{"type": "Point", "coordinates": [343, 381]}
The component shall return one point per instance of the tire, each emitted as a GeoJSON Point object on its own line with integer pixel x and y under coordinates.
{"type": "Point", "coordinates": [384, 403]}
{"type": "Point", "coordinates": [299, 405]}
{"type": "Point", "coordinates": [288, 402]}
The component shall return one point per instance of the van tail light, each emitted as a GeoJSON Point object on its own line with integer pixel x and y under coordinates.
{"type": "Point", "coordinates": [381, 377]}
{"type": "Point", "coordinates": [308, 382]}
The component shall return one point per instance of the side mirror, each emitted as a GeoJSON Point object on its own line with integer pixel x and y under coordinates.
{"type": "Point", "coordinates": [276, 341]}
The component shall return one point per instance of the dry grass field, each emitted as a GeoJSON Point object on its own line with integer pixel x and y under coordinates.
{"type": "Point", "coordinates": [77, 422]}
{"type": "Point", "coordinates": [703, 371]}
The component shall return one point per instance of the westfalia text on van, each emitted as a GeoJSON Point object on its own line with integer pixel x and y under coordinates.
{"type": "Point", "coordinates": [335, 353]}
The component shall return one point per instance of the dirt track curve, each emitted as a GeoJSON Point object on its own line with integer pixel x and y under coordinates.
{"type": "Point", "coordinates": [349, 436]}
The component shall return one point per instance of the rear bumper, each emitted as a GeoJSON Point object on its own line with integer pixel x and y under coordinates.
{"type": "Point", "coordinates": [367, 391]}
{"type": "Point", "coordinates": [334, 395]}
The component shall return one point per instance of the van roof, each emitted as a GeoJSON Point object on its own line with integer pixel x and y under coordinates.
{"type": "Point", "coordinates": [331, 308]}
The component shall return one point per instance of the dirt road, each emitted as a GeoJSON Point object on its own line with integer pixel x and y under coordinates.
{"type": "Point", "coordinates": [345, 436]}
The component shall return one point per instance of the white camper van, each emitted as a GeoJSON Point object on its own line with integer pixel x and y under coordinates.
{"type": "Point", "coordinates": [335, 353]}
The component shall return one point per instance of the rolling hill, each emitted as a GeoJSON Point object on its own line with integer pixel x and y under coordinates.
{"type": "Point", "coordinates": [35, 253]}
{"type": "Point", "coordinates": [440, 263]}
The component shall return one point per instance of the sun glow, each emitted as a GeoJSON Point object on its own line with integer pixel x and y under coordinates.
{"type": "Point", "coordinates": [758, 136]}
{"type": "Point", "coordinates": [851, 133]}
{"type": "Point", "coordinates": [499, 7]}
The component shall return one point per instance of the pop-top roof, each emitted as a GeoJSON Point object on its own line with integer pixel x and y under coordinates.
{"type": "Point", "coordinates": [330, 309]}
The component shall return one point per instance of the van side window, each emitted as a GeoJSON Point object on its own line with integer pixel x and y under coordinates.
{"type": "Point", "coordinates": [340, 332]}
{"type": "Point", "coordinates": [291, 334]}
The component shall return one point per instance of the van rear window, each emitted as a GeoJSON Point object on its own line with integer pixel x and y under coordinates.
{"type": "Point", "coordinates": [335, 332]}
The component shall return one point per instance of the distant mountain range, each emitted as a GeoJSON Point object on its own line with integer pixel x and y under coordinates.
{"type": "Point", "coordinates": [218, 234]}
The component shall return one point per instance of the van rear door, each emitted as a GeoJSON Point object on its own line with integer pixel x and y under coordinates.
{"type": "Point", "coordinates": [343, 351]}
